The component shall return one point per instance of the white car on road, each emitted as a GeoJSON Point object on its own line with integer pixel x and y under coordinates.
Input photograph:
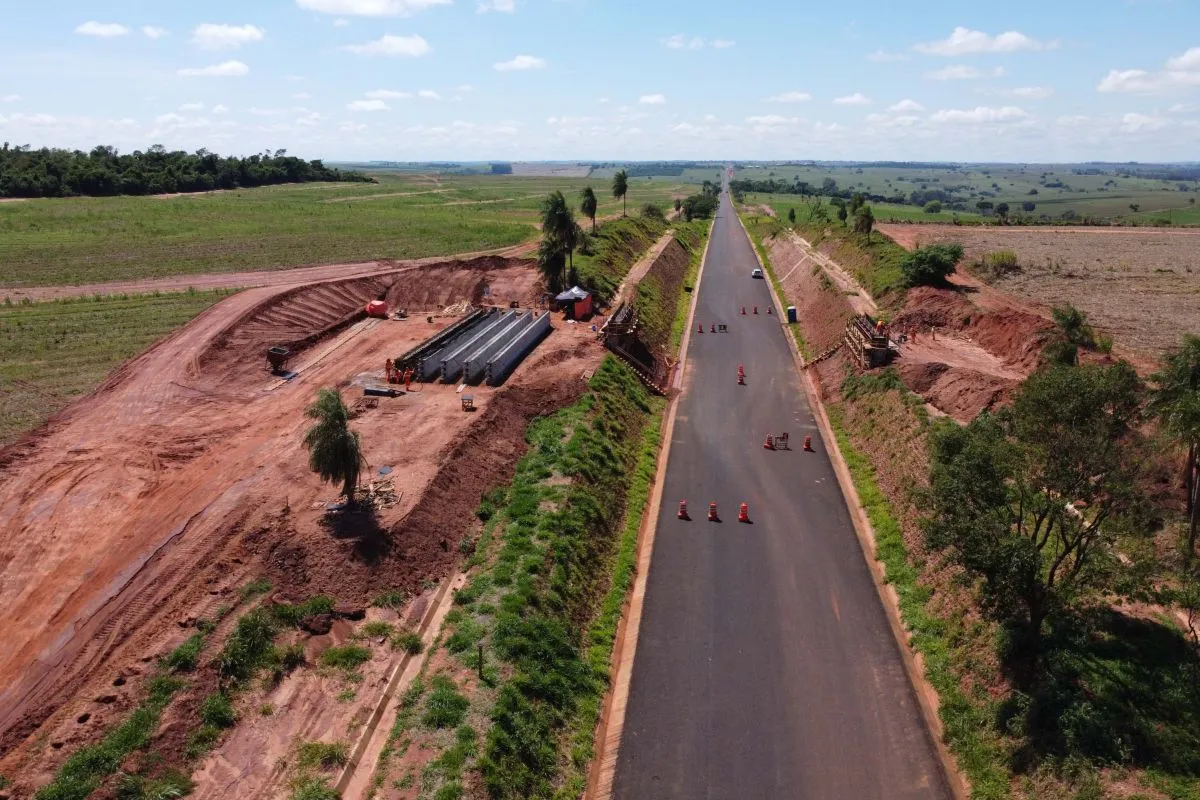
{"type": "Point", "coordinates": [756, 273]}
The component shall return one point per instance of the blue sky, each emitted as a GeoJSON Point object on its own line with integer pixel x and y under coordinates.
{"type": "Point", "coordinates": [610, 79]}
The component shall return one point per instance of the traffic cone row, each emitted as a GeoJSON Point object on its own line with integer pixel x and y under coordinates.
{"type": "Point", "coordinates": [713, 516]}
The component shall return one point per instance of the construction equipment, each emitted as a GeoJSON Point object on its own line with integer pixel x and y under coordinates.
{"type": "Point", "coordinates": [277, 357]}
{"type": "Point", "coordinates": [380, 391]}
{"type": "Point", "coordinates": [867, 342]}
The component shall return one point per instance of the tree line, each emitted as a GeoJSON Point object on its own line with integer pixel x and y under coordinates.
{"type": "Point", "coordinates": [102, 172]}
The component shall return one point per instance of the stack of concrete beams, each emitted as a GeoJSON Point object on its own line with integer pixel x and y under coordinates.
{"type": "Point", "coordinates": [475, 367]}
{"type": "Point", "coordinates": [431, 361]}
{"type": "Point", "coordinates": [524, 341]}
{"type": "Point", "coordinates": [455, 359]}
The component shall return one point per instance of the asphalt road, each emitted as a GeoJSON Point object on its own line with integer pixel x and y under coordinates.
{"type": "Point", "coordinates": [765, 666]}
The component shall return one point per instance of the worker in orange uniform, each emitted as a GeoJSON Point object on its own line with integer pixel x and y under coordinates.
{"type": "Point", "coordinates": [408, 376]}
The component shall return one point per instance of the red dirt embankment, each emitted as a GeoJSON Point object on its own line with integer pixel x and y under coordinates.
{"type": "Point", "coordinates": [146, 504]}
{"type": "Point", "coordinates": [960, 357]}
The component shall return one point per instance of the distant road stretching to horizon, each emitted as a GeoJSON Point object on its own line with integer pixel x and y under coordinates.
{"type": "Point", "coordinates": [765, 666]}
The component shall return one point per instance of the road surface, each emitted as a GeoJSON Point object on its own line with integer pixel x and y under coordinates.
{"type": "Point", "coordinates": [765, 666]}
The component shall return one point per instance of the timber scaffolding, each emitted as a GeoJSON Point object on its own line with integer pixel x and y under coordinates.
{"type": "Point", "coordinates": [867, 346]}
{"type": "Point", "coordinates": [620, 336]}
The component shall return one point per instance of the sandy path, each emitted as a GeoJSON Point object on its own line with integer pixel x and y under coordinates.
{"type": "Point", "coordinates": [357, 197]}
{"type": "Point", "coordinates": [913, 235]}
{"type": "Point", "coordinates": [639, 270]}
{"type": "Point", "coordinates": [241, 280]}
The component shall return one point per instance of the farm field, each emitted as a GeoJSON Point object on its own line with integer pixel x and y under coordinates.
{"type": "Point", "coordinates": [52, 353]}
{"type": "Point", "coordinates": [1054, 190]}
{"type": "Point", "coordinates": [1140, 286]}
{"type": "Point", "coordinates": [91, 240]}
{"type": "Point", "coordinates": [884, 212]}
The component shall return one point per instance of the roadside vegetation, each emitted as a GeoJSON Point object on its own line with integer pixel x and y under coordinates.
{"type": "Point", "coordinates": [53, 353]}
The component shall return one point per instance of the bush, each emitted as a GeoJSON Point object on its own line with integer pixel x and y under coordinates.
{"type": "Point", "coordinates": [933, 207]}
{"type": "Point", "coordinates": [325, 755]}
{"type": "Point", "coordinates": [408, 641]}
{"type": "Point", "coordinates": [1074, 326]}
{"type": "Point", "coordinates": [930, 266]}
{"type": "Point", "coordinates": [218, 711]}
{"type": "Point", "coordinates": [445, 707]}
{"type": "Point", "coordinates": [184, 657]}
{"type": "Point", "coordinates": [1000, 263]}
{"type": "Point", "coordinates": [651, 211]}
{"type": "Point", "coordinates": [375, 629]}
{"type": "Point", "coordinates": [248, 647]}
{"type": "Point", "coordinates": [347, 657]}
{"type": "Point", "coordinates": [699, 206]}
{"type": "Point", "coordinates": [314, 789]}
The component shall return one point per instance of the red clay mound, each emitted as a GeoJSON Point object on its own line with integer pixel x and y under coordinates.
{"type": "Point", "coordinates": [958, 392]}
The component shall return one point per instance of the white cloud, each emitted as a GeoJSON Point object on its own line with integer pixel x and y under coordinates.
{"type": "Point", "coordinates": [225, 37]}
{"type": "Point", "coordinates": [1030, 92]}
{"type": "Point", "coordinates": [464, 87]}
{"type": "Point", "coordinates": [352, 127]}
{"type": "Point", "coordinates": [220, 108]}
{"type": "Point", "coordinates": [963, 72]}
{"type": "Point", "coordinates": [963, 41]}
{"type": "Point", "coordinates": [856, 99]}
{"type": "Point", "coordinates": [883, 57]}
{"type": "Point", "coordinates": [503, 6]}
{"type": "Point", "coordinates": [152, 32]}
{"type": "Point", "coordinates": [226, 69]}
{"type": "Point", "coordinates": [1188, 62]}
{"type": "Point", "coordinates": [906, 105]}
{"type": "Point", "coordinates": [192, 107]}
{"type": "Point", "coordinates": [367, 105]}
{"type": "Point", "coordinates": [676, 42]}
{"type": "Point", "coordinates": [301, 96]}
{"type": "Point", "coordinates": [1140, 123]}
{"type": "Point", "coordinates": [411, 46]}
{"type": "Point", "coordinates": [371, 8]}
{"type": "Point", "coordinates": [105, 30]}
{"type": "Point", "coordinates": [695, 43]}
{"type": "Point", "coordinates": [340, 23]}
{"type": "Point", "coordinates": [520, 63]}
{"type": "Point", "coordinates": [388, 94]}
{"type": "Point", "coordinates": [604, 101]}
{"type": "Point", "coordinates": [428, 94]}
{"type": "Point", "coordinates": [652, 100]}
{"type": "Point", "coordinates": [1182, 72]}
{"type": "Point", "coordinates": [169, 119]}
{"type": "Point", "coordinates": [789, 97]}
{"type": "Point", "coordinates": [723, 44]}
{"type": "Point", "coordinates": [771, 119]}
{"type": "Point", "coordinates": [981, 115]}
{"type": "Point", "coordinates": [9, 98]}
{"type": "Point", "coordinates": [710, 118]}
{"type": "Point", "coordinates": [681, 41]}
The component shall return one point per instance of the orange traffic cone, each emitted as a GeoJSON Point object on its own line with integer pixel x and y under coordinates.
{"type": "Point", "coordinates": [700, 328]}
{"type": "Point", "coordinates": [741, 379]}
{"type": "Point", "coordinates": [683, 510]}
{"type": "Point", "coordinates": [712, 328]}
{"type": "Point", "coordinates": [769, 444]}
{"type": "Point", "coordinates": [743, 513]}
{"type": "Point", "coordinates": [712, 513]}
{"type": "Point", "coordinates": [756, 309]}
{"type": "Point", "coordinates": [743, 311]}
{"type": "Point", "coordinates": [770, 309]}
{"type": "Point", "coordinates": [808, 444]}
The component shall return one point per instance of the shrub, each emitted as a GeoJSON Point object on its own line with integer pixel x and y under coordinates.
{"type": "Point", "coordinates": [248, 647]}
{"type": "Point", "coordinates": [408, 641]}
{"type": "Point", "coordinates": [218, 711]}
{"type": "Point", "coordinates": [445, 707]}
{"type": "Point", "coordinates": [651, 211]}
{"type": "Point", "coordinates": [1000, 263]}
{"type": "Point", "coordinates": [184, 657]}
{"type": "Point", "coordinates": [346, 657]}
{"type": "Point", "coordinates": [376, 629]}
{"type": "Point", "coordinates": [1074, 325]}
{"type": "Point", "coordinates": [930, 266]}
{"type": "Point", "coordinates": [325, 755]}
{"type": "Point", "coordinates": [314, 789]}
{"type": "Point", "coordinates": [392, 598]}
{"type": "Point", "coordinates": [292, 614]}
{"type": "Point", "coordinates": [933, 207]}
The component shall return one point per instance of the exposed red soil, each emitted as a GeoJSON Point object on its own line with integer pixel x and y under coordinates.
{"type": "Point", "coordinates": [912, 235]}
{"type": "Point", "coordinates": [145, 505]}
{"type": "Point", "coordinates": [960, 357]}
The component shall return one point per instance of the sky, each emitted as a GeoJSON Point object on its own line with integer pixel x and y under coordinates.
{"type": "Point", "coordinates": [474, 80]}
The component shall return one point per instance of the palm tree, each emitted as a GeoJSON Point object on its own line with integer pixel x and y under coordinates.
{"type": "Point", "coordinates": [560, 236]}
{"type": "Point", "coordinates": [1176, 401]}
{"type": "Point", "coordinates": [620, 187]}
{"type": "Point", "coordinates": [588, 206]}
{"type": "Point", "coordinates": [334, 451]}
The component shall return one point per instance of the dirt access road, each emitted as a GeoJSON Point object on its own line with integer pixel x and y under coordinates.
{"type": "Point", "coordinates": [143, 506]}
{"type": "Point", "coordinates": [765, 666]}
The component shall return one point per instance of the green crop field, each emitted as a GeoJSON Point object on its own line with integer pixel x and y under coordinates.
{"type": "Point", "coordinates": [884, 212]}
{"type": "Point", "coordinates": [89, 240]}
{"type": "Point", "coordinates": [52, 353]}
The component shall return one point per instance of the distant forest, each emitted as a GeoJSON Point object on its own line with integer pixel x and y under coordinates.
{"type": "Point", "coordinates": [104, 172]}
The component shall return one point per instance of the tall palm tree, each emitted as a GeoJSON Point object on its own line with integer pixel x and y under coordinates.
{"type": "Point", "coordinates": [560, 236]}
{"type": "Point", "coordinates": [588, 206]}
{"type": "Point", "coordinates": [334, 451]}
{"type": "Point", "coordinates": [620, 187]}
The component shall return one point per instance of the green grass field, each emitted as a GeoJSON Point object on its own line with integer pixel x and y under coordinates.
{"type": "Point", "coordinates": [91, 240]}
{"type": "Point", "coordinates": [884, 212]}
{"type": "Point", "coordinates": [52, 353]}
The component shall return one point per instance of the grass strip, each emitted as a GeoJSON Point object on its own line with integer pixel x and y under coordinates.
{"type": "Point", "coordinates": [967, 722]}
